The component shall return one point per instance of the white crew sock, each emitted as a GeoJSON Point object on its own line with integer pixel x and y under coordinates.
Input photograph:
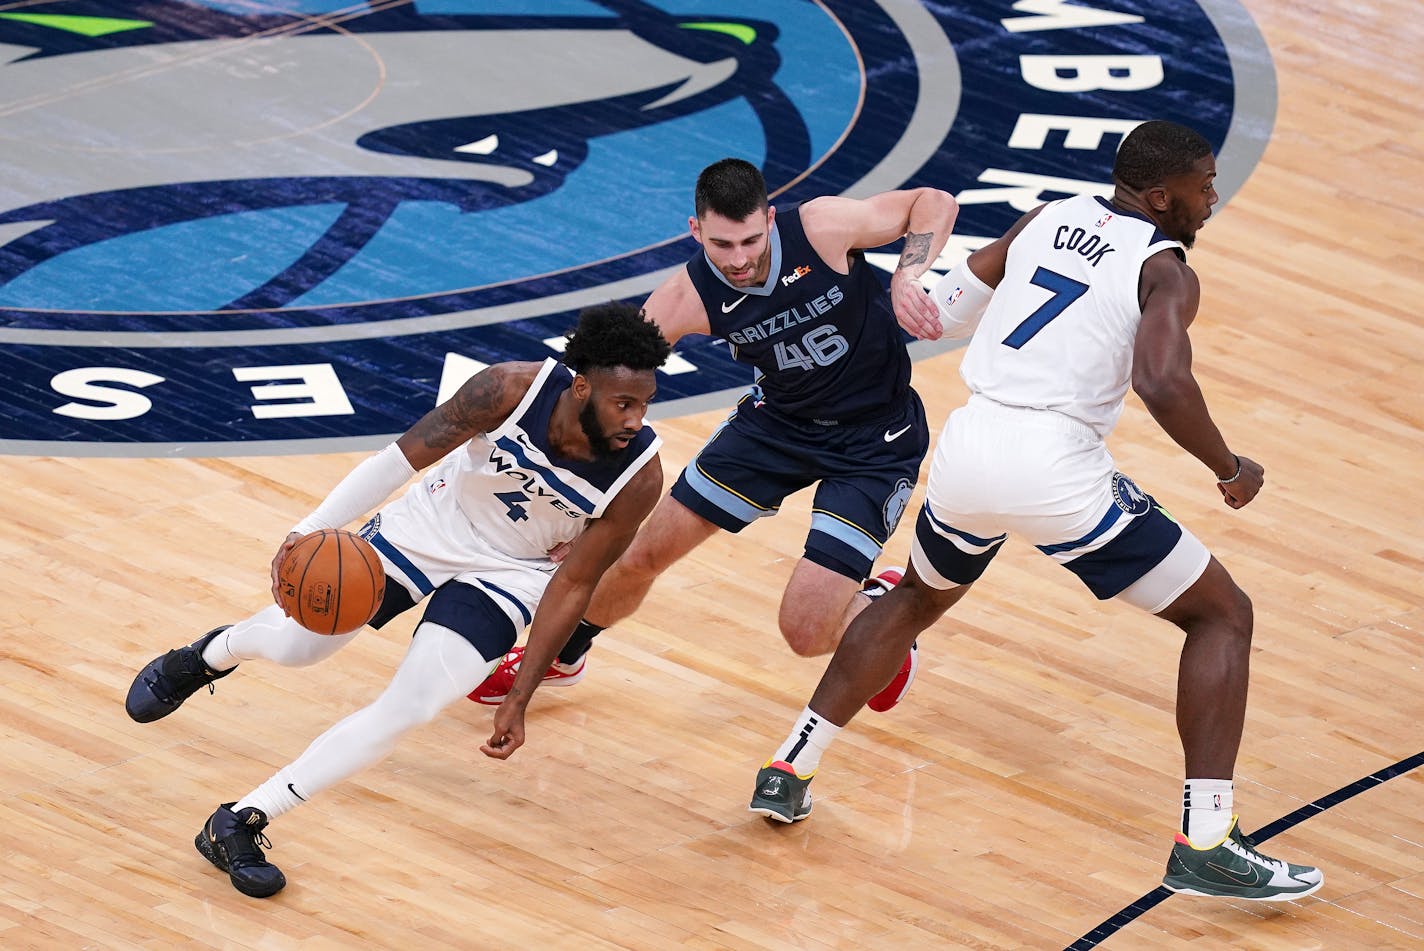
{"type": "Point", "coordinates": [808, 739]}
{"type": "Point", "coordinates": [277, 795]}
{"type": "Point", "coordinates": [1207, 809]}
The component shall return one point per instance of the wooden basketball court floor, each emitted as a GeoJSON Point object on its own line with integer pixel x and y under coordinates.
{"type": "Point", "coordinates": [1024, 793]}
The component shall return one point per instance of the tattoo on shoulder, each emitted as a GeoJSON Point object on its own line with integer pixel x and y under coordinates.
{"type": "Point", "coordinates": [469, 411]}
{"type": "Point", "coordinates": [917, 249]}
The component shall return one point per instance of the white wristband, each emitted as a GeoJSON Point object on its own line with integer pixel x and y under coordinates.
{"type": "Point", "coordinates": [962, 299]}
{"type": "Point", "coordinates": [364, 488]}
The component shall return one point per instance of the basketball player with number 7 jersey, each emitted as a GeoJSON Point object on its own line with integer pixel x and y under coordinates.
{"type": "Point", "coordinates": [1078, 300]}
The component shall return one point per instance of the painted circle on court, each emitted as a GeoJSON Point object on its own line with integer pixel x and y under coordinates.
{"type": "Point", "coordinates": [197, 259]}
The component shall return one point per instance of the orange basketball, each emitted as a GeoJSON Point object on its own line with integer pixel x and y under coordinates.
{"type": "Point", "coordinates": [331, 582]}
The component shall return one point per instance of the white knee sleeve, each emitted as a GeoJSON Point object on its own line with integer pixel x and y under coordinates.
{"type": "Point", "coordinates": [440, 668]}
{"type": "Point", "coordinates": [271, 635]}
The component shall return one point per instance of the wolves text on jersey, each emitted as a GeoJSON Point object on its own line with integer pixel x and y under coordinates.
{"type": "Point", "coordinates": [505, 463]}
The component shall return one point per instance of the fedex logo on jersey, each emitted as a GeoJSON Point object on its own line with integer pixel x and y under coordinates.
{"type": "Point", "coordinates": [800, 271]}
{"type": "Point", "coordinates": [264, 226]}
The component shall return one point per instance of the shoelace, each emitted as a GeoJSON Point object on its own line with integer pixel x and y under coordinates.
{"type": "Point", "coordinates": [1262, 858]}
{"type": "Point", "coordinates": [249, 848]}
{"type": "Point", "coordinates": [164, 687]}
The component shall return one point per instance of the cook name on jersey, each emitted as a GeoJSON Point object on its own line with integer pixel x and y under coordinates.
{"type": "Point", "coordinates": [1092, 247]}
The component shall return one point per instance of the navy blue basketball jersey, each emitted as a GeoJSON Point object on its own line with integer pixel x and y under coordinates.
{"type": "Point", "coordinates": [826, 346]}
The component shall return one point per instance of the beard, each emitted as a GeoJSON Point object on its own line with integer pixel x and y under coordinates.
{"type": "Point", "coordinates": [760, 270]}
{"type": "Point", "coordinates": [1185, 226]}
{"type": "Point", "coordinates": [601, 445]}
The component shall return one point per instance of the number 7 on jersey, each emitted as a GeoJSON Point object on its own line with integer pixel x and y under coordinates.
{"type": "Point", "coordinates": [1065, 291]}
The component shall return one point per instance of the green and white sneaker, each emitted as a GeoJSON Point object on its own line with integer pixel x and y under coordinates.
{"type": "Point", "coordinates": [780, 794]}
{"type": "Point", "coordinates": [1234, 868]}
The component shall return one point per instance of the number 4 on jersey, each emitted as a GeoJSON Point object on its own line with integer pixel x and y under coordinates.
{"type": "Point", "coordinates": [514, 502]}
{"type": "Point", "coordinates": [1065, 291]}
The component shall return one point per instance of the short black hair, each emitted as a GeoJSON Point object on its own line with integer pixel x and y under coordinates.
{"type": "Point", "coordinates": [1157, 150]}
{"type": "Point", "coordinates": [731, 187]}
{"type": "Point", "coordinates": [614, 335]}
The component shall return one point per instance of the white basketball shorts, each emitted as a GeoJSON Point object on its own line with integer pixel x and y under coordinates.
{"type": "Point", "coordinates": [1049, 479]}
{"type": "Point", "coordinates": [424, 540]}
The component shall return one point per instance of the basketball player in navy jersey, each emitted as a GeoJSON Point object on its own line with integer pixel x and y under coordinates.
{"type": "Point", "coordinates": [1079, 300]}
{"type": "Point", "coordinates": [792, 295]}
{"type": "Point", "coordinates": [531, 462]}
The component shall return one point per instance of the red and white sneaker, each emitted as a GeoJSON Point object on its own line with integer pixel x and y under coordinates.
{"type": "Point", "coordinates": [496, 686]}
{"type": "Point", "coordinates": [897, 688]}
{"type": "Point", "coordinates": [881, 583]}
{"type": "Point", "coordinates": [895, 691]}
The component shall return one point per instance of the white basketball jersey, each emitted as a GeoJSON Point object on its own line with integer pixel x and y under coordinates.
{"type": "Point", "coordinates": [1058, 333]}
{"type": "Point", "coordinates": [520, 496]}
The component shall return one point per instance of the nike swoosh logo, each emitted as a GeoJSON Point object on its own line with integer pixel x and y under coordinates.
{"type": "Point", "coordinates": [1250, 881]}
{"type": "Point", "coordinates": [728, 308]}
{"type": "Point", "coordinates": [294, 792]}
{"type": "Point", "coordinates": [891, 437]}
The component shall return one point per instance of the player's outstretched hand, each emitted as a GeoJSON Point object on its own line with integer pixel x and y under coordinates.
{"type": "Point", "coordinates": [915, 309]}
{"type": "Point", "coordinates": [1245, 486]}
{"type": "Point", "coordinates": [508, 734]}
{"type": "Point", "coordinates": [287, 545]}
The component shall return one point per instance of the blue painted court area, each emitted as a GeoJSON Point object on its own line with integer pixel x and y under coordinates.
{"type": "Point", "coordinates": [211, 195]}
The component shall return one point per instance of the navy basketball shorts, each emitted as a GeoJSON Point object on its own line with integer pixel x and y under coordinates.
{"type": "Point", "coordinates": [1049, 479]}
{"type": "Point", "coordinates": [864, 475]}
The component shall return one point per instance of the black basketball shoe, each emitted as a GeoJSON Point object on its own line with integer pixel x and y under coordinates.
{"type": "Point", "coordinates": [163, 685]}
{"type": "Point", "coordinates": [233, 841]}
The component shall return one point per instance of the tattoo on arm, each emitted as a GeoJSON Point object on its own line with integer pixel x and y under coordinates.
{"type": "Point", "coordinates": [917, 250]}
{"type": "Point", "coordinates": [464, 414]}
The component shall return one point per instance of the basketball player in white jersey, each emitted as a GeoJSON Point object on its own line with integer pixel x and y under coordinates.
{"type": "Point", "coordinates": [1079, 299]}
{"type": "Point", "coordinates": [529, 459]}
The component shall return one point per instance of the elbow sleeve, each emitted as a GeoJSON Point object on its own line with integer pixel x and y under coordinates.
{"type": "Point", "coordinates": [363, 489]}
{"type": "Point", "coordinates": [962, 299]}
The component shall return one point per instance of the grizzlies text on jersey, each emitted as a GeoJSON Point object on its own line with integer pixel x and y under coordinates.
{"type": "Point", "coordinates": [826, 345]}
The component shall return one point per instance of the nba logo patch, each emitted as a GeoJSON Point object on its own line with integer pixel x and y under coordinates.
{"type": "Point", "coordinates": [1128, 496]}
{"type": "Point", "coordinates": [1105, 219]}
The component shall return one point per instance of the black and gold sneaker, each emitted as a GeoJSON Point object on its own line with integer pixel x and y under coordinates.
{"type": "Point", "coordinates": [233, 841]}
{"type": "Point", "coordinates": [163, 685]}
